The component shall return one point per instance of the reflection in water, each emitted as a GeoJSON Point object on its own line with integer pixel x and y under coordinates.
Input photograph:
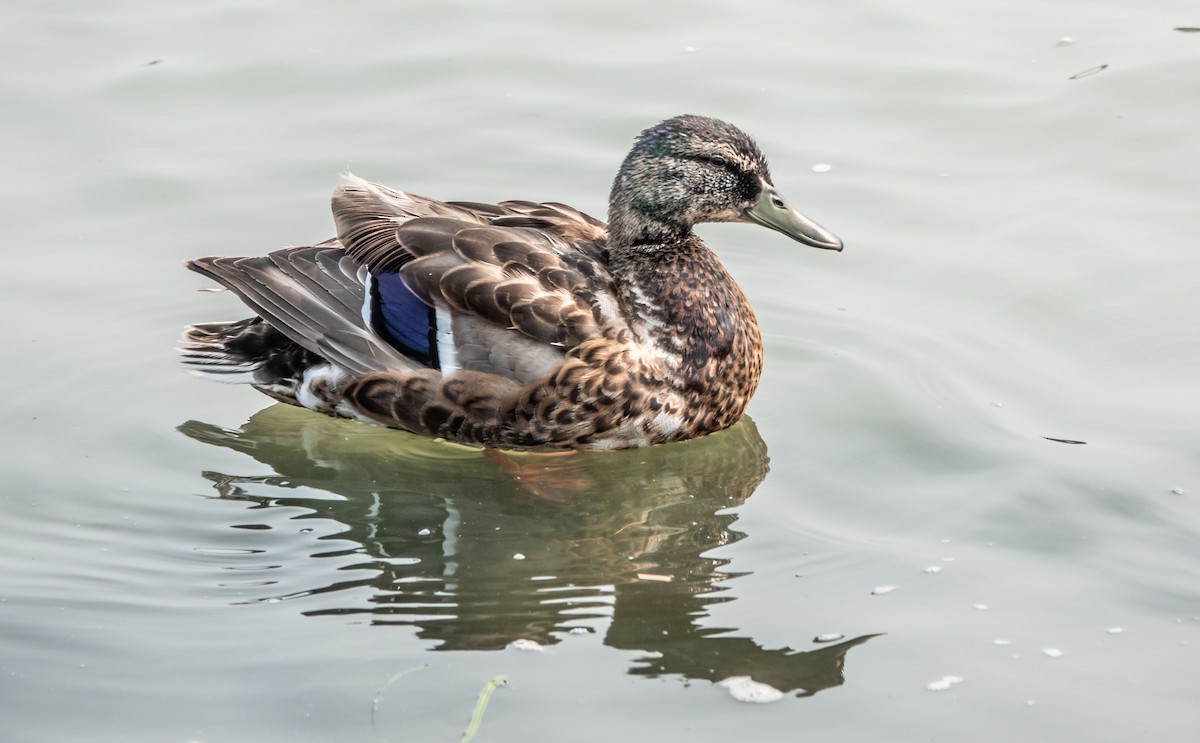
{"type": "Point", "coordinates": [531, 546]}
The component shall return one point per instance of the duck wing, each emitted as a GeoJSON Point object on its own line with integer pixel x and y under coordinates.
{"type": "Point", "coordinates": [511, 286]}
{"type": "Point", "coordinates": [314, 295]}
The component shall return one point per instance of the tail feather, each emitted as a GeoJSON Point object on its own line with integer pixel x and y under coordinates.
{"type": "Point", "coordinates": [248, 351]}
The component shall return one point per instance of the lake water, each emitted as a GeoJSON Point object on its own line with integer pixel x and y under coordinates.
{"type": "Point", "coordinates": [1017, 186]}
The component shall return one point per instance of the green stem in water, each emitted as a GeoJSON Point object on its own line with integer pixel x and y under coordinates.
{"type": "Point", "coordinates": [480, 706]}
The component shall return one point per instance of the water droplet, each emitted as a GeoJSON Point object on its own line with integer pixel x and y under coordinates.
{"type": "Point", "coordinates": [518, 556]}
{"type": "Point", "coordinates": [880, 590]}
{"type": "Point", "coordinates": [830, 637]}
{"type": "Point", "coordinates": [1052, 652]}
{"type": "Point", "coordinates": [822, 168]}
{"type": "Point", "coordinates": [746, 689]}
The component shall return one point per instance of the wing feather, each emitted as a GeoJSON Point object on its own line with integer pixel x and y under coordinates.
{"type": "Point", "coordinates": [318, 308]}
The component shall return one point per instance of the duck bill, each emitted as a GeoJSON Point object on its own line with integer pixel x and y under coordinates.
{"type": "Point", "coordinates": [773, 211]}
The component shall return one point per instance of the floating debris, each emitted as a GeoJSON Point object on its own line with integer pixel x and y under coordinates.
{"type": "Point", "coordinates": [1052, 652]}
{"type": "Point", "coordinates": [425, 532]}
{"type": "Point", "coordinates": [822, 168]}
{"type": "Point", "coordinates": [152, 62]}
{"type": "Point", "coordinates": [880, 590]}
{"type": "Point", "coordinates": [830, 637]}
{"type": "Point", "coordinates": [1051, 438]}
{"type": "Point", "coordinates": [378, 694]}
{"type": "Point", "coordinates": [1177, 491]}
{"type": "Point", "coordinates": [944, 683]}
{"type": "Point", "coordinates": [1189, 29]}
{"type": "Point", "coordinates": [1080, 76]}
{"type": "Point", "coordinates": [746, 689]}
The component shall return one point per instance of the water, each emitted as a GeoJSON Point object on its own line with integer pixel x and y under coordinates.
{"type": "Point", "coordinates": [181, 561]}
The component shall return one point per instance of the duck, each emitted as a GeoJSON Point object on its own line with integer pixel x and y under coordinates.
{"type": "Point", "coordinates": [518, 325]}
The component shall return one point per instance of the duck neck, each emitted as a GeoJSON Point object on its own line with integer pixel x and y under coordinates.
{"type": "Point", "coordinates": [630, 226]}
{"type": "Point", "coordinates": [644, 207]}
{"type": "Point", "coordinates": [679, 297]}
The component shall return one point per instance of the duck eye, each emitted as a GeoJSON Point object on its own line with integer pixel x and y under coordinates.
{"type": "Point", "coordinates": [717, 160]}
{"type": "Point", "coordinates": [778, 202]}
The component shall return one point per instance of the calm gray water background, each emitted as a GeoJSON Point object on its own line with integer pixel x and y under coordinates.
{"type": "Point", "coordinates": [180, 561]}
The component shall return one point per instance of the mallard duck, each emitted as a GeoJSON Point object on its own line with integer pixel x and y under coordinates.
{"type": "Point", "coordinates": [518, 325]}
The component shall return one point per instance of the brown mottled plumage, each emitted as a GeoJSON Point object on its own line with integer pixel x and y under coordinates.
{"type": "Point", "coordinates": [519, 324]}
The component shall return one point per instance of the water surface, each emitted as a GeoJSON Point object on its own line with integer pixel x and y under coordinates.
{"type": "Point", "coordinates": [183, 561]}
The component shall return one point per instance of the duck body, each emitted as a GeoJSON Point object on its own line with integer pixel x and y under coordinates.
{"type": "Point", "coordinates": [518, 325]}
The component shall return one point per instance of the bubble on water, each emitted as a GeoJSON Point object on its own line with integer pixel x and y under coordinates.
{"type": "Point", "coordinates": [944, 683]}
{"type": "Point", "coordinates": [527, 646]}
{"type": "Point", "coordinates": [829, 637]}
{"type": "Point", "coordinates": [746, 689]}
{"type": "Point", "coordinates": [880, 590]}
{"type": "Point", "coordinates": [1052, 652]}
{"type": "Point", "coordinates": [822, 168]}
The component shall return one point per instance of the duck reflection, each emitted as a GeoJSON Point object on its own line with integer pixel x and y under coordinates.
{"type": "Point", "coordinates": [477, 550]}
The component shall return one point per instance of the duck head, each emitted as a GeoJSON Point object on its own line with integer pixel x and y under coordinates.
{"type": "Point", "coordinates": [692, 169]}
